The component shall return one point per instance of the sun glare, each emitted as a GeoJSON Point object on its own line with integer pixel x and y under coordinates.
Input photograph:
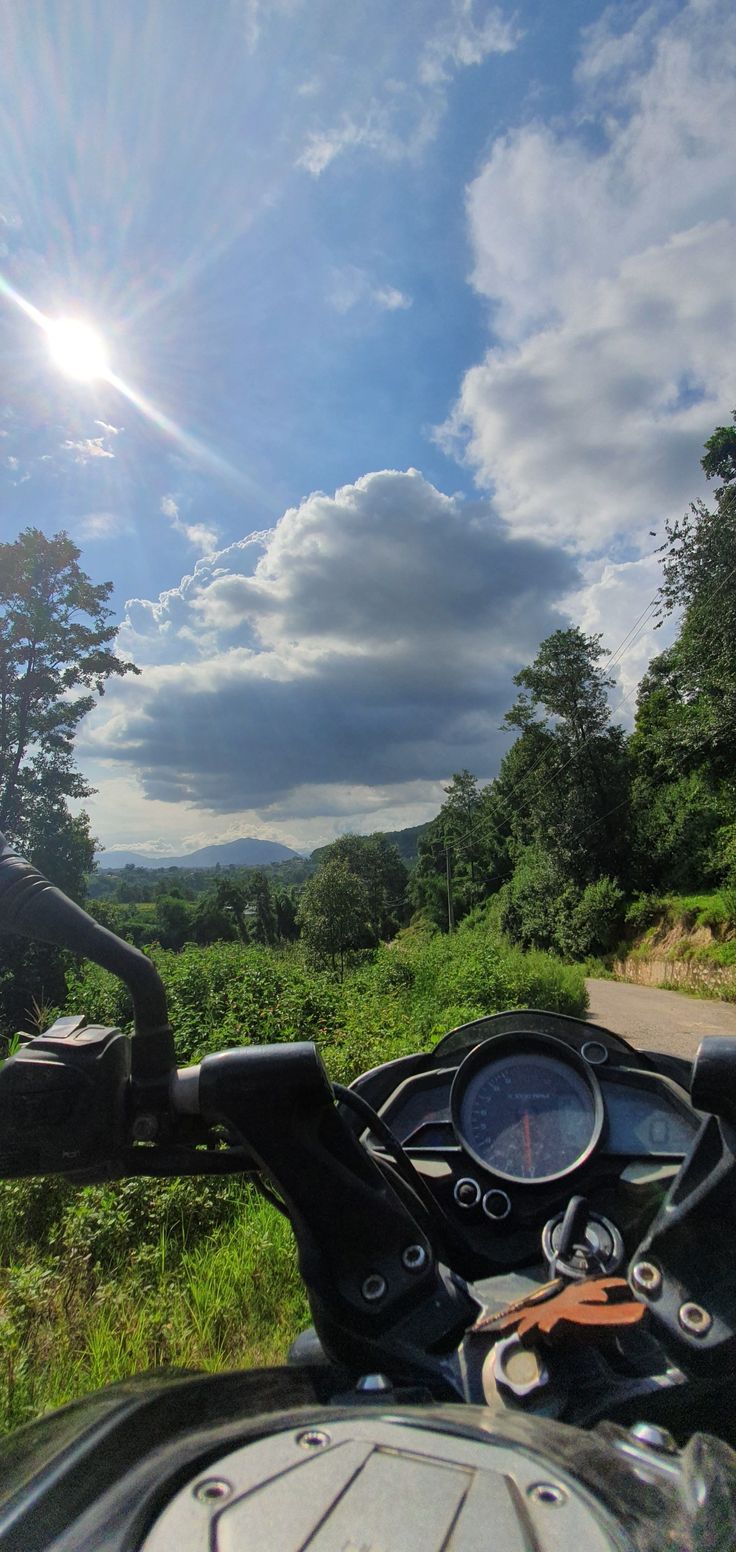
{"type": "Point", "coordinates": [77, 349]}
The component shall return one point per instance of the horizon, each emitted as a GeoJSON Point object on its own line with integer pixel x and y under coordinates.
{"type": "Point", "coordinates": [361, 354]}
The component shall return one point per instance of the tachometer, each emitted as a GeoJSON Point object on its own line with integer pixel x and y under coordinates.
{"type": "Point", "coordinates": [527, 1114]}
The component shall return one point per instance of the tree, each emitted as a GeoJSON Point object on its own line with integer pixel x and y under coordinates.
{"type": "Point", "coordinates": [376, 862]}
{"type": "Point", "coordinates": [55, 656]}
{"type": "Point", "coordinates": [264, 926]}
{"type": "Point", "coordinates": [55, 640]}
{"type": "Point", "coordinates": [699, 566]}
{"type": "Point", "coordinates": [287, 928]}
{"type": "Point", "coordinates": [333, 913]}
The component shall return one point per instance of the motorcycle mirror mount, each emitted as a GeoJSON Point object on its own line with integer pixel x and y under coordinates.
{"type": "Point", "coordinates": [32, 907]}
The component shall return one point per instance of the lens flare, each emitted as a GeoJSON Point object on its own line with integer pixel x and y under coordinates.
{"type": "Point", "coordinates": [77, 349]}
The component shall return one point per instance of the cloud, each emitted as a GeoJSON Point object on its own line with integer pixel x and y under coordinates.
{"type": "Point", "coordinates": [352, 286]}
{"type": "Point", "coordinates": [200, 535]}
{"type": "Point", "coordinates": [463, 39]}
{"type": "Point", "coordinates": [111, 430]}
{"type": "Point", "coordinates": [367, 641]}
{"type": "Point", "coordinates": [398, 121]}
{"type": "Point", "coordinates": [87, 448]}
{"type": "Point", "coordinates": [101, 525]}
{"type": "Point", "coordinates": [607, 252]}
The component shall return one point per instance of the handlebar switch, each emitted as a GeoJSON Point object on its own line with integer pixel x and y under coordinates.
{"type": "Point", "coordinates": [63, 1100]}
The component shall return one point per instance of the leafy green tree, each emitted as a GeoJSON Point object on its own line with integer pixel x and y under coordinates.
{"type": "Point", "coordinates": [333, 913]}
{"type": "Point", "coordinates": [173, 921]}
{"type": "Point", "coordinates": [572, 801]}
{"type": "Point", "coordinates": [376, 862]}
{"type": "Point", "coordinates": [287, 928]}
{"type": "Point", "coordinates": [264, 925]}
{"type": "Point", "coordinates": [699, 578]}
{"type": "Point", "coordinates": [55, 656]}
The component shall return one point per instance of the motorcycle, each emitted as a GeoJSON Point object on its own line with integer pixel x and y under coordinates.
{"type": "Point", "coordinates": [518, 1251]}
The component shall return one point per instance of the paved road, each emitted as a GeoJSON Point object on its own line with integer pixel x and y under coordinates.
{"type": "Point", "coordinates": [656, 1020]}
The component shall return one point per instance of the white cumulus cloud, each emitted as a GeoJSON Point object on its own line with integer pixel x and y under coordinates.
{"type": "Point", "coordinates": [367, 641]}
{"type": "Point", "coordinates": [201, 536]}
{"type": "Point", "coordinates": [608, 253]}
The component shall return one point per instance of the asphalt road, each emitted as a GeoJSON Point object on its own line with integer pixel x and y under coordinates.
{"type": "Point", "coordinates": [656, 1020]}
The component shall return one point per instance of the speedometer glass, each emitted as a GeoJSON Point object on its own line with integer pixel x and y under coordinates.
{"type": "Point", "coordinates": [528, 1116]}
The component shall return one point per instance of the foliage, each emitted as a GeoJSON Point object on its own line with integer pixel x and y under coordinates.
{"type": "Point", "coordinates": [376, 862]}
{"type": "Point", "coordinates": [594, 924]}
{"type": "Point", "coordinates": [699, 577]}
{"type": "Point", "coordinates": [55, 656]}
{"type": "Point", "coordinates": [334, 913]}
{"type": "Point", "coordinates": [55, 639]}
{"type": "Point", "coordinates": [112, 1279]}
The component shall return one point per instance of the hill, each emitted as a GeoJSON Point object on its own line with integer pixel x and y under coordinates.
{"type": "Point", "coordinates": [405, 841]}
{"type": "Point", "coordinates": [247, 852]}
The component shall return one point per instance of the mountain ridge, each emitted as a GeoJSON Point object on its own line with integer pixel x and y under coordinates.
{"type": "Point", "coordinates": [247, 851]}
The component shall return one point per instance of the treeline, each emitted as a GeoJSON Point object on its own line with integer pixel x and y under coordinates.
{"type": "Point", "coordinates": [581, 818]}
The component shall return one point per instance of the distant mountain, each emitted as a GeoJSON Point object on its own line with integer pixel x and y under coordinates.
{"type": "Point", "coordinates": [245, 853]}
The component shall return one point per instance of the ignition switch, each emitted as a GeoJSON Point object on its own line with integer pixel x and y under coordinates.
{"type": "Point", "coordinates": [578, 1243]}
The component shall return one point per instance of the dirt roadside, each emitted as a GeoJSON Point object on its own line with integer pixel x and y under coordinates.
{"type": "Point", "coordinates": [656, 1020]}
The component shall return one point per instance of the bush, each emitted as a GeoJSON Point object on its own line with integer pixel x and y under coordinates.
{"type": "Point", "coordinates": [594, 924]}
{"type": "Point", "coordinates": [116, 1278]}
{"type": "Point", "coordinates": [536, 901]}
{"type": "Point", "coordinates": [643, 911]}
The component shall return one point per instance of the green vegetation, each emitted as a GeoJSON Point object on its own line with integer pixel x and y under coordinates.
{"type": "Point", "coordinates": [586, 839]}
{"type": "Point", "coordinates": [110, 1280]}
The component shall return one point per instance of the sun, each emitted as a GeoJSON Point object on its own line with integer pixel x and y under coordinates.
{"type": "Point", "coordinates": [77, 349]}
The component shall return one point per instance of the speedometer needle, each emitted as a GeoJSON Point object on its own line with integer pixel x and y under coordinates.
{"type": "Point", "coordinates": [526, 1124]}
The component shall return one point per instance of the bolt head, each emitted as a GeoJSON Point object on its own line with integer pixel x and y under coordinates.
{"type": "Point", "coordinates": [694, 1319]}
{"type": "Point", "coordinates": [374, 1288]}
{"type": "Point", "coordinates": [646, 1277]}
{"type": "Point", "coordinates": [655, 1437]}
{"type": "Point", "coordinates": [313, 1438]}
{"type": "Point", "coordinates": [547, 1493]}
{"type": "Point", "coordinates": [373, 1384]}
{"type": "Point", "coordinates": [212, 1490]}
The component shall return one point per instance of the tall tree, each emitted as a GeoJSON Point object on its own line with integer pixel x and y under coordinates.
{"type": "Point", "coordinates": [333, 913]}
{"type": "Point", "coordinates": [376, 862]}
{"type": "Point", "coordinates": [573, 801]}
{"type": "Point", "coordinates": [55, 656]}
{"type": "Point", "coordinates": [699, 566]}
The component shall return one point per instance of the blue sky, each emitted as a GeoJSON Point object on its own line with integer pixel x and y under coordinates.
{"type": "Point", "coordinates": [325, 246]}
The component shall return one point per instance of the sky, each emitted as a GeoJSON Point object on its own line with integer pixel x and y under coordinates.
{"type": "Point", "coordinates": [412, 321]}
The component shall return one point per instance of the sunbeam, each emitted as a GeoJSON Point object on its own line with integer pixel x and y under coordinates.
{"type": "Point", "coordinates": [79, 351]}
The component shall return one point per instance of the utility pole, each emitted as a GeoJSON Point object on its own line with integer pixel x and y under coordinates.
{"type": "Point", "coordinates": [450, 908]}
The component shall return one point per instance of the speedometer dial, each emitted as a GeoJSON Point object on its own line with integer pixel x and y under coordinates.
{"type": "Point", "coordinates": [526, 1115]}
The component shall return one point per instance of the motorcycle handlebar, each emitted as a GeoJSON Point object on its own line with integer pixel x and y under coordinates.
{"type": "Point", "coordinates": [32, 907]}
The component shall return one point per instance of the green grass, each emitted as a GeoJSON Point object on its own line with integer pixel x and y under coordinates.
{"type": "Point", "coordinates": [111, 1280]}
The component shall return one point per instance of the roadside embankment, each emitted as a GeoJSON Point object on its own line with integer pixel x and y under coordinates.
{"type": "Point", "coordinates": [687, 943]}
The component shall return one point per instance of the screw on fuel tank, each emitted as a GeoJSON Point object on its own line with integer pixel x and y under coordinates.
{"type": "Point", "coordinates": [547, 1493]}
{"type": "Point", "coordinates": [212, 1490]}
{"type": "Point", "coordinates": [313, 1438]}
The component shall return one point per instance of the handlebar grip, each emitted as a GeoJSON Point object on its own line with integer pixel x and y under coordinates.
{"type": "Point", "coordinates": [32, 907]}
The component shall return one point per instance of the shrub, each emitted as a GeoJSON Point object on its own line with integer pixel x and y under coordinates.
{"type": "Point", "coordinates": [536, 901]}
{"type": "Point", "coordinates": [594, 923]}
{"type": "Point", "coordinates": [643, 911]}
